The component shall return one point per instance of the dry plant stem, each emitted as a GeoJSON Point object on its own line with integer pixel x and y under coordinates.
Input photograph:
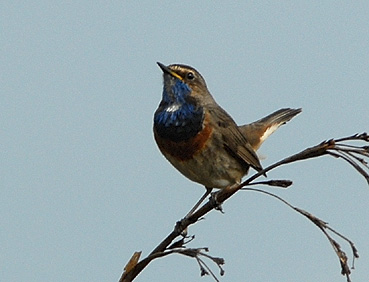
{"type": "Point", "coordinates": [323, 226]}
{"type": "Point", "coordinates": [331, 147]}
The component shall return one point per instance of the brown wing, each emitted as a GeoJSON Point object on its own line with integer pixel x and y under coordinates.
{"type": "Point", "coordinates": [234, 141]}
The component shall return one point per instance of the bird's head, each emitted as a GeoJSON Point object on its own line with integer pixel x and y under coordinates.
{"type": "Point", "coordinates": [181, 112]}
{"type": "Point", "coordinates": [183, 82]}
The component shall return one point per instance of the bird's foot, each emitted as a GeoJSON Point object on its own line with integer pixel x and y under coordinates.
{"type": "Point", "coordinates": [181, 227]}
{"type": "Point", "coordinates": [215, 203]}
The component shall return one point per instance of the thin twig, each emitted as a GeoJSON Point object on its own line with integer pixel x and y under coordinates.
{"type": "Point", "coordinates": [323, 226]}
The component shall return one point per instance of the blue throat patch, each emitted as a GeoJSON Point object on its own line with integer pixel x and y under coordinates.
{"type": "Point", "coordinates": [178, 118]}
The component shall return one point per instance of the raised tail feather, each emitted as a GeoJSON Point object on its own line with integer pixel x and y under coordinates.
{"type": "Point", "coordinates": [258, 131]}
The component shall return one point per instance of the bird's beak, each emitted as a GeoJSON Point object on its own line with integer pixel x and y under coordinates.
{"type": "Point", "coordinates": [167, 70]}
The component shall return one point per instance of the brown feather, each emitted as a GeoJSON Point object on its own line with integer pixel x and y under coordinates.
{"type": "Point", "coordinates": [234, 141]}
{"type": "Point", "coordinates": [258, 131]}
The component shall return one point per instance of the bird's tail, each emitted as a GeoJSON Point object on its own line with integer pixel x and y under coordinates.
{"type": "Point", "coordinates": [258, 131]}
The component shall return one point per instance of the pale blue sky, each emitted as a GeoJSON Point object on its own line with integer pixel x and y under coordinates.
{"type": "Point", "coordinates": [83, 184]}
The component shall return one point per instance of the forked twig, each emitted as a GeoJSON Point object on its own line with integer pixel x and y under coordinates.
{"type": "Point", "coordinates": [323, 226]}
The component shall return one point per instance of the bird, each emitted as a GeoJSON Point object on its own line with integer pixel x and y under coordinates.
{"type": "Point", "coordinates": [200, 139]}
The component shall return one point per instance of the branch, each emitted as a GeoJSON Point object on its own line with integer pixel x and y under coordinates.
{"type": "Point", "coordinates": [354, 155]}
{"type": "Point", "coordinates": [323, 226]}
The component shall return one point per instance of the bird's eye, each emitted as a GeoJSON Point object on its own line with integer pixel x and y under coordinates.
{"type": "Point", "coordinates": [190, 76]}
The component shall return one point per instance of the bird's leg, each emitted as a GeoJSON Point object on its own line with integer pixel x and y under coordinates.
{"type": "Point", "coordinates": [214, 201]}
{"type": "Point", "coordinates": [207, 192]}
{"type": "Point", "coordinates": [179, 226]}
{"type": "Point", "coordinates": [214, 197]}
